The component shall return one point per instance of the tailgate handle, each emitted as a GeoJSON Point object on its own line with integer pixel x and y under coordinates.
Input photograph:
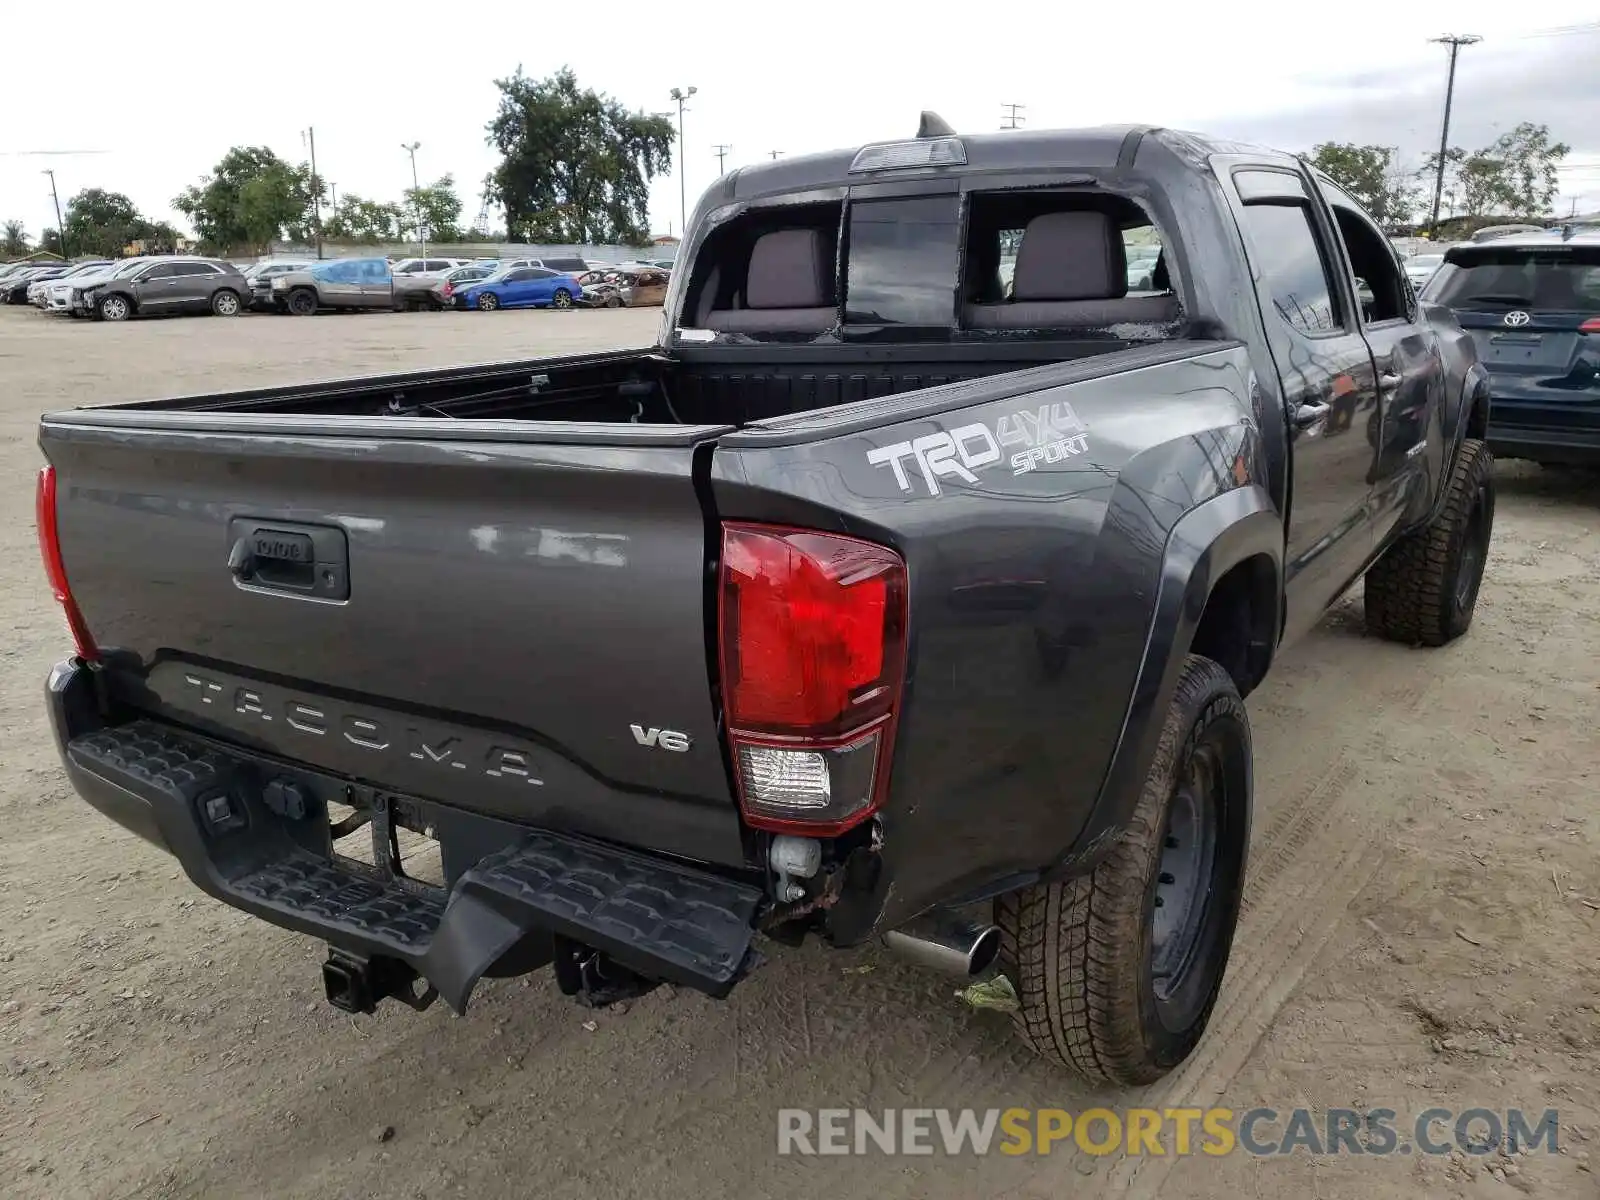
{"type": "Point", "coordinates": [295, 559]}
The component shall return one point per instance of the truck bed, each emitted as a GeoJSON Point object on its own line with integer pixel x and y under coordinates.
{"type": "Point", "coordinates": [721, 385]}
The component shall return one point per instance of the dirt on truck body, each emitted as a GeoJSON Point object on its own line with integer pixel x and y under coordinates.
{"type": "Point", "coordinates": [885, 596]}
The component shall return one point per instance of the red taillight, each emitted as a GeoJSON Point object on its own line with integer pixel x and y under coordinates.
{"type": "Point", "coordinates": [812, 631]}
{"type": "Point", "coordinates": [1592, 325]}
{"type": "Point", "coordinates": [55, 571]}
{"type": "Point", "coordinates": [449, 287]}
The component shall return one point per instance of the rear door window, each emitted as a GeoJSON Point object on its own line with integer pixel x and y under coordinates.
{"type": "Point", "coordinates": [1290, 263]}
{"type": "Point", "coordinates": [904, 261]}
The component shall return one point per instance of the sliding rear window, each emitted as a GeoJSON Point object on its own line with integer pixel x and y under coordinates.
{"type": "Point", "coordinates": [1552, 279]}
{"type": "Point", "coordinates": [905, 256]}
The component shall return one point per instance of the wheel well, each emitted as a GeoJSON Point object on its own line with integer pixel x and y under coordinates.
{"type": "Point", "coordinates": [1238, 628]}
{"type": "Point", "coordinates": [1478, 417]}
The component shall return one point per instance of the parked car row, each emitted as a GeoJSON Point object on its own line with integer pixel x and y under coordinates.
{"type": "Point", "coordinates": [155, 285]}
{"type": "Point", "coordinates": [170, 284]}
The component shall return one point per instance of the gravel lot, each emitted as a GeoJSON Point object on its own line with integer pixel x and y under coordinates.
{"type": "Point", "coordinates": [1422, 924]}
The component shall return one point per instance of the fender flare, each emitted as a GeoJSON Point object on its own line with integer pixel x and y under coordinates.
{"type": "Point", "coordinates": [1206, 543]}
{"type": "Point", "coordinates": [1474, 388]}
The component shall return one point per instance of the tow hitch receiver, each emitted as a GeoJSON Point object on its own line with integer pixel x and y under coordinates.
{"type": "Point", "coordinates": [595, 979]}
{"type": "Point", "coordinates": [355, 983]}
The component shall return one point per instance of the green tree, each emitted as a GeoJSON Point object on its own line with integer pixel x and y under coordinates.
{"type": "Point", "coordinates": [1529, 161]}
{"type": "Point", "coordinates": [157, 237]}
{"type": "Point", "coordinates": [1371, 175]}
{"type": "Point", "coordinates": [1516, 175]}
{"type": "Point", "coordinates": [439, 208]}
{"type": "Point", "coordinates": [366, 221]}
{"type": "Point", "coordinates": [250, 199]}
{"type": "Point", "coordinates": [14, 239]}
{"type": "Point", "coordinates": [101, 222]}
{"type": "Point", "coordinates": [575, 165]}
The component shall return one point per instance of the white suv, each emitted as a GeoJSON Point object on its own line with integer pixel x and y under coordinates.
{"type": "Point", "coordinates": [428, 266]}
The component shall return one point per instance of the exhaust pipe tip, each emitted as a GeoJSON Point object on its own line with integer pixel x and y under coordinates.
{"type": "Point", "coordinates": [947, 942]}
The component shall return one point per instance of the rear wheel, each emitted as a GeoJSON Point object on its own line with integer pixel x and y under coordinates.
{"type": "Point", "coordinates": [1424, 589]}
{"type": "Point", "coordinates": [488, 301]}
{"type": "Point", "coordinates": [303, 302]}
{"type": "Point", "coordinates": [562, 298]}
{"type": "Point", "coordinates": [226, 303]}
{"type": "Point", "coordinates": [114, 308]}
{"type": "Point", "coordinates": [1117, 970]}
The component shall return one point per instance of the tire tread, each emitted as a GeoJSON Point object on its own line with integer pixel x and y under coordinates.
{"type": "Point", "coordinates": [1409, 590]}
{"type": "Point", "coordinates": [1074, 948]}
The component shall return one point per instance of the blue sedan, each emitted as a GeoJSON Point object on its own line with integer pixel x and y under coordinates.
{"type": "Point", "coordinates": [519, 287]}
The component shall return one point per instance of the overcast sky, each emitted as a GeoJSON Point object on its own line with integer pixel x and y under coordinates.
{"type": "Point", "coordinates": [175, 84]}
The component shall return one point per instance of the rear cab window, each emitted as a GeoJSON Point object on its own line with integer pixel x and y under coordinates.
{"type": "Point", "coordinates": [936, 266]}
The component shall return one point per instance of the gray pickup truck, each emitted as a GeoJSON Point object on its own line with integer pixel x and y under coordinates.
{"type": "Point", "coordinates": [352, 284]}
{"type": "Point", "coordinates": [899, 591]}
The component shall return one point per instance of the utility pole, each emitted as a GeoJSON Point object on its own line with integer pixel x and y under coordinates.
{"type": "Point", "coordinates": [1011, 118]}
{"type": "Point", "coordinates": [1455, 42]}
{"type": "Point", "coordinates": [316, 190]}
{"type": "Point", "coordinates": [775, 154]}
{"type": "Point", "coordinates": [416, 194]}
{"type": "Point", "coordinates": [681, 95]}
{"type": "Point", "coordinates": [333, 199]}
{"type": "Point", "coordinates": [61, 230]}
{"type": "Point", "coordinates": [721, 151]}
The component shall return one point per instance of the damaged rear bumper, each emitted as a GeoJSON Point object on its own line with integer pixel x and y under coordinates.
{"type": "Point", "coordinates": [222, 813]}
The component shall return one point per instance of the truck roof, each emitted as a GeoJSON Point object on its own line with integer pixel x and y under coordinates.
{"type": "Point", "coordinates": [1092, 148]}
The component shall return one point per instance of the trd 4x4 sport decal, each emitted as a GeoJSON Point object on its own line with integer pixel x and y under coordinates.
{"type": "Point", "coordinates": [1047, 434]}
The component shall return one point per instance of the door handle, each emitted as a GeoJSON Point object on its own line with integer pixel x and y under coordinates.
{"type": "Point", "coordinates": [1388, 383]}
{"type": "Point", "coordinates": [1308, 414]}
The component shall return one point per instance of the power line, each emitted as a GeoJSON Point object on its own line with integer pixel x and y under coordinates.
{"type": "Point", "coordinates": [1012, 118]}
{"type": "Point", "coordinates": [1578, 30]}
{"type": "Point", "coordinates": [1455, 42]}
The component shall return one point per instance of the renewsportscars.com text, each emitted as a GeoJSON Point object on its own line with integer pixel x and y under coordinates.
{"type": "Point", "coordinates": [1159, 1132]}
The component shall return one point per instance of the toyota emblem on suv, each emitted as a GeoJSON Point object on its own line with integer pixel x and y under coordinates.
{"type": "Point", "coordinates": [1517, 319]}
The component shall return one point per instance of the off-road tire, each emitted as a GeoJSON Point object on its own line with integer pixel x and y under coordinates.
{"type": "Point", "coordinates": [1079, 950]}
{"type": "Point", "coordinates": [1424, 588]}
{"type": "Point", "coordinates": [302, 302]}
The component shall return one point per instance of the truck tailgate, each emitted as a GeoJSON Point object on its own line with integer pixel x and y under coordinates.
{"type": "Point", "coordinates": [509, 617]}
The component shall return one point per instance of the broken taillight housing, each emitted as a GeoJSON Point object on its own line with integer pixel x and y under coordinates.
{"type": "Point", "coordinates": [812, 630]}
{"type": "Point", "coordinates": [55, 571]}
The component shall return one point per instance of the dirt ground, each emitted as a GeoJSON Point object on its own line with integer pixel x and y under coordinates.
{"type": "Point", "coordinates": [1421, 922]}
